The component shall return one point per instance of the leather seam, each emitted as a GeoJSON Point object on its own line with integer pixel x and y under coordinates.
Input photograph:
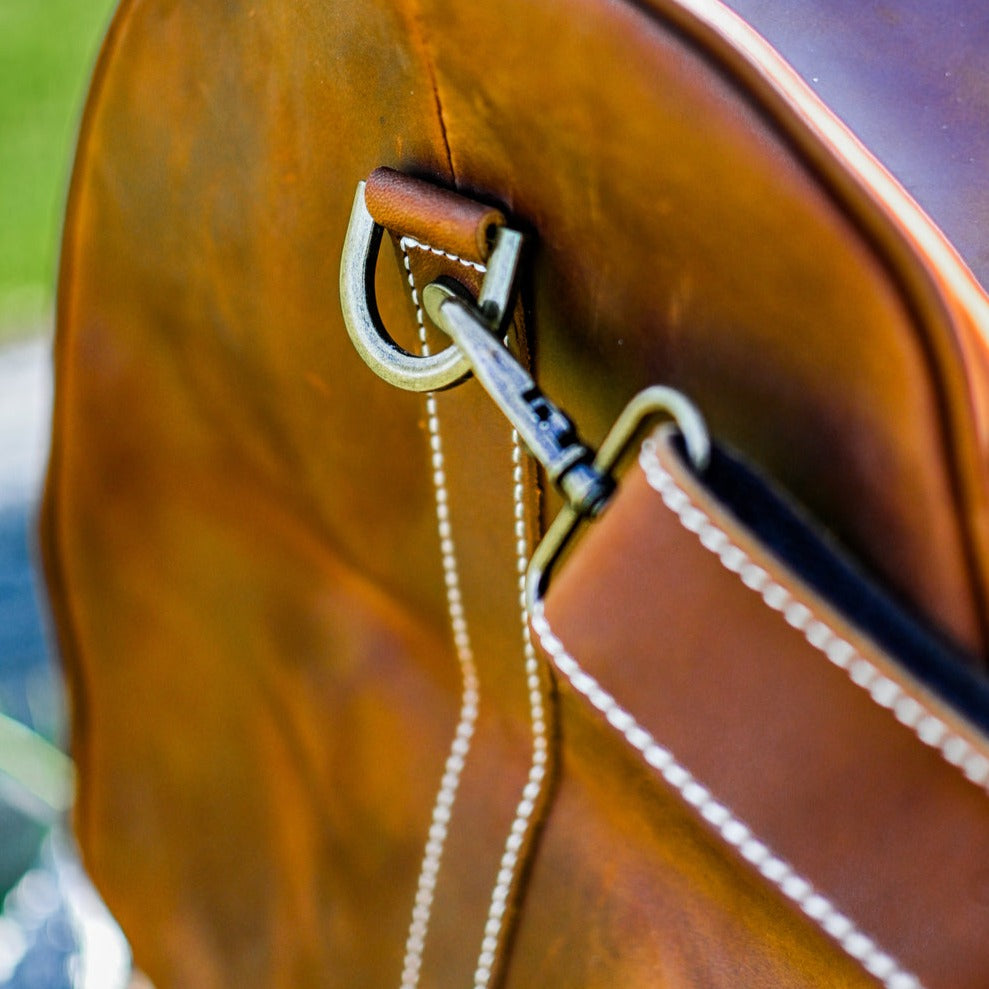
{"type": "Point", "coordinates": [905, 708]}
{"type": "Point", "coordinates": [410, 242]}
{"type": "Point", "coordinates": [533, 800]}
{"type": "Point", "coordinates": [839, 927]}
{"type": "Point", "coordinates": [470, 686]}
{"type": "Point", "coordinates": [434, 86]}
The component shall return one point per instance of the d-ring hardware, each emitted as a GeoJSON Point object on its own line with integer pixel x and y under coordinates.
{"type": "Point", "coordinates": [650, 403]}
{"type": "Point", "coordinates": [476, 328]}
{"type": "Point", "coordinates": [364, 324]}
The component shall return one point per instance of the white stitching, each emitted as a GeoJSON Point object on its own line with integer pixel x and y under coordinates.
{"type": "Point", "coordinates": [793, 886]}
{"type": "Point", "coordinates": [407, 242]}
{"type": "Point", "coordinates": [910, 712]}
{"type": "Point", "coordinates": [533, 792]}
{"type": "Point", "coordinates": [459, 748]}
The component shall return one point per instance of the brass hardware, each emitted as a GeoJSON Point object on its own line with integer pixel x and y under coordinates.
{"type": "Point", "coordinates": [371, 339]}
{"type": "Point", "coordinates": [476, 328]}
{"type": "Point", "coordinates": [651, 402]}
{"type": "Point", "coordinates": [547, 431]}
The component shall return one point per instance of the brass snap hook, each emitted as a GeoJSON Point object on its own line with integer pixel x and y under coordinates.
{"type": "Point", "coordinates": [586, 479]}
{"type": "Point", "coordinates": [371, 339]}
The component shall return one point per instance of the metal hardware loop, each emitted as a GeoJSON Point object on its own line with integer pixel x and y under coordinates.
{"type": "Point", "coordinates": [657, 401]}
{"type": "Point", "coordinates": [586, 479]}
{"type": "Point", "coordinates": [371, 339]}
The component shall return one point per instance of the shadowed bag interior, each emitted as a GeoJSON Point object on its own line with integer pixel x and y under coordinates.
{"type": "Point", "coordinates": [308, 704]}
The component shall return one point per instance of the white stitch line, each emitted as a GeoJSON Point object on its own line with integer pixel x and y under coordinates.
{"type": "Point", "coordinates": [407, 242]}
{"type": "Point", "coordinates": [523, 823]}
{"type": "Point", "coordinates": [793, 886]}
{"type": "Point", "coordinates": [954, 749]}
{"type": "Point", "coordinates": [459, 748]}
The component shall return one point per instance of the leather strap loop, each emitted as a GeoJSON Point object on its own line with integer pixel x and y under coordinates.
{"type": "Point", "coordinates": [434, 216]}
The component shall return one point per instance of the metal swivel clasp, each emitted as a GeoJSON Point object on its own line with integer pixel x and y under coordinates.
{"type": "Point", "coordinates": [476, 329]}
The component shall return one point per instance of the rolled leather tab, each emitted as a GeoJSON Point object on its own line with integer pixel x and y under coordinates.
{"type": "Point", "coordinates": [433, 216]}
{"type": "Point", "coordinates": [825, 739]}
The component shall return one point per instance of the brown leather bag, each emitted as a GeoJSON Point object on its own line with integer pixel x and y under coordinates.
{"type": "Point", "coordinates": [737, 737]}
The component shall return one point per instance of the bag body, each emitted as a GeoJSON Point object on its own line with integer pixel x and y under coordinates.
{"type": "Point", "coordinates": [288, 594]}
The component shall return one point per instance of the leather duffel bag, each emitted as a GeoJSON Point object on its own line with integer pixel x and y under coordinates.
{"type": "Point", "coordinates": [731, 731]}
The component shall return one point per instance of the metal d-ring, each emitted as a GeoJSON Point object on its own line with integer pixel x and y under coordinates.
{"type": "Point", "coordinates": [380, 352]}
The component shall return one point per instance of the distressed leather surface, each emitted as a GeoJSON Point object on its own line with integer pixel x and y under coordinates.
{"type": "Point", "coordinates": [239, 525]}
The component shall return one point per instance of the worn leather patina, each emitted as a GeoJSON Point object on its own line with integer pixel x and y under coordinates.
{"type": "Point", "coordinates": [240, 524]}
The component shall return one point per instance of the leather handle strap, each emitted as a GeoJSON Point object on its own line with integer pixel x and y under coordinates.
{"type": "Point", "coordinates": [812, 752]}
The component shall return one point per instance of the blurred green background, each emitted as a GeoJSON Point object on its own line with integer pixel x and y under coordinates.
{"type": "Point", "coordinates": [47, 50]}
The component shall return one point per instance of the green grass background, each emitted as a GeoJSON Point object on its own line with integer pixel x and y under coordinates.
{"type": "Point", "coordinates": [47, 50]}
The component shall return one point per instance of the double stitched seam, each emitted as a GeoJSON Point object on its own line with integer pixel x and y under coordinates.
{"type": "Point", "coordinates": [525, 819]}
{"type": "Point", "coordinates": [912, 713]}
{"type": "Point", "coordinates": [533, 794]}
{"type": "Point", "coordinates": [793, 886]}
{"type": "Point", "coordinates": [470, 695]}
